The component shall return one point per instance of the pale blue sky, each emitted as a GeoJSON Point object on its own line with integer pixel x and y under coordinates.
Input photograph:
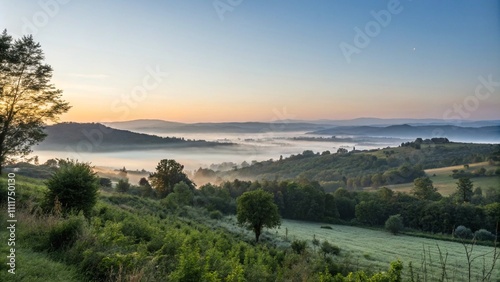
{"type": "Point", "coordinates": [263, 57]}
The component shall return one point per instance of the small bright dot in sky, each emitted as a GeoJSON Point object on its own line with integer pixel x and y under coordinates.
{"type": "Point", "coordinates": [266, 55]}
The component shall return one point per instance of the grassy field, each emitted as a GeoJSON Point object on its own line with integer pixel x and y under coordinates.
{"type": "Point", "coordinates": [446, 185]}
{"type": "Point", "coordinates": [374, 249]}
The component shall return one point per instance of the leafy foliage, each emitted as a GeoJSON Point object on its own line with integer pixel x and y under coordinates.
{"type": "Point", "coordinates": [130, 238]}
{"type": "Point", "coordinates": [167, 174]}
{"type": "Point", "coordinates": [181, 196]}
{"type": "Point", "coordinates": [123, 186]}
{"type": "Point", "coordinates": [256, 209]}
{"type": "Point", "coordinates": [65, 234]}
{"type": "Point", "coordinates": [464, 189]}
{"type": "Point", "coordinates": [463, 232]}
{"type": "Point", "coordinates": [299, 246]}
{"type": "Point", "coordinates": [424, 189]}
{"type": "Point", "coordinates": [27, 99]}
{"type": "Point", "coordinates": [327, 248]}
{"type": "Point", "coordinates": [394, 224]}
{"type": "Point", "coordinates": [358, 169]}
{"type": "Point", "coordinates": [75, 186]}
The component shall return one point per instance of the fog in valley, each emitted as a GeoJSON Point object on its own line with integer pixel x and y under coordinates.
{"type": "Point", "coordinates": [248, 147]}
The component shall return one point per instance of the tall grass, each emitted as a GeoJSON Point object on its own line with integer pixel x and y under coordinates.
{"type": "Point", "coordinates": [374, 249]}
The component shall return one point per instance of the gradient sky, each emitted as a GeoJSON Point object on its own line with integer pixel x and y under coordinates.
{"type": "Point", "coordinates": [266, 60]}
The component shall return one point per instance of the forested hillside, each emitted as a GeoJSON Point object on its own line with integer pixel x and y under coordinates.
{"type": "Point", "coordinates": [356, 169]}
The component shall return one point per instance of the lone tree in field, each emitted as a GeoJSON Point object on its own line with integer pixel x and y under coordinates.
{"type": "Point", "coordinates": [394, 224]}
{"type": "Point", "coordinates": [464, 189]}
{"type": "Point", "coordinates": [255, 210]}
{"type": "Point", "coordinates": [167, 174]}
{"type": "Point", "coordinates": [27, 98]}
{"type": "Point", "coordinates": [73, 187]}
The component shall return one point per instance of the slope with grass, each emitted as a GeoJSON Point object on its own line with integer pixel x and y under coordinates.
{"type": "Point", "coordinates": [442, 179]}
{"type": "Point", "coordinates": [30, 265]}
{"type": "Point", "coordinates": [374, 249]}
{"type": "Point", "coordinates": [130, 238]}
{"type": "Point", "coordinates": [390, 164]}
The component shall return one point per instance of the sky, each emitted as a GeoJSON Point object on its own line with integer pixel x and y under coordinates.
{"type": "Point", "coordinates": [265, 60]}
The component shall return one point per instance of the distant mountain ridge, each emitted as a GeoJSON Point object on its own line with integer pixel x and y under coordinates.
{"type": "Point", "coordinates": [98, 137]}
{"type": "Point", "coordinates": [159, 126]}
{"type": "Point", "coordinates": [485, 133]}
{"type": "Point", "coordinates": [287, 125]}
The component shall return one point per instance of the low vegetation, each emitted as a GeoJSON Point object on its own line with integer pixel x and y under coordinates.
{"type": "Point", "coordinates": [129, 238]}
{"type": "Point", "coordinates": [165, 229]}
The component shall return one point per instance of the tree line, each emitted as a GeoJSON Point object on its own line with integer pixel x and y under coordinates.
{"type": "Point", "coordinates": [357, 169]}
{"type": "Point", "coordinates": [420, 210]}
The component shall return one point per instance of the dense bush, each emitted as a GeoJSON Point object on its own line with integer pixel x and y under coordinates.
{"type": "Point", "coordinates": [463, 232]}
{"type": "Point", "coordinates": [105, 182]}
{"type": "Point", "coordinates": [394, 224]}
{"type": "Point", "coordinates": [215, 214]}
{"type": "Point", "coordinates": [328, 248]}
{"type": "Point", "coordinates": [484, 235]}
{"type": "Point", "coordinates": [75, 186]}
{"type": "Point", "coordinates": [64, 234]}
{"type": "Point", "coordinates": [299, 246]}
{"type": "Point", "coordinates": [123, 186]}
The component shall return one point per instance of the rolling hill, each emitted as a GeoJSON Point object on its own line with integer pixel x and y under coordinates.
{"type": "Point", "coordinates": [98, 137]}
{"type": "Point", "coordinates": [388, 166]}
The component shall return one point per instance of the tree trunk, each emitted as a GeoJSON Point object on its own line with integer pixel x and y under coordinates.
{"type": "Point", "coordinates": [1, 155]}
{"type": "Point", "coordinates": [257, 234]}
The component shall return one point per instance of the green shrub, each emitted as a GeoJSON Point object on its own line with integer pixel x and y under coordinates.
{"type": "Point", "coordinates": [65, 234]}
{"type": "Point", "coordinates": [139, 231]}
{"type": "Point", "coordinates": [123, 186]}
{"type": "Point", "coordinates": [215, 214]}
{"type": "Point", "coordinates": [75, 186]}
{"type": "Point", "coordinates": [394, 224]}
{"type": "Point", "coordinates": [105, 182]}
{"type": "Point", "coordinates": [299, 246]}
{"type": "Point", "coordinates": [463, 232]}
{"type": "Point", "coordinates": [484, 235]}
{"type": "Point", "coordinates": [327, 248]}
